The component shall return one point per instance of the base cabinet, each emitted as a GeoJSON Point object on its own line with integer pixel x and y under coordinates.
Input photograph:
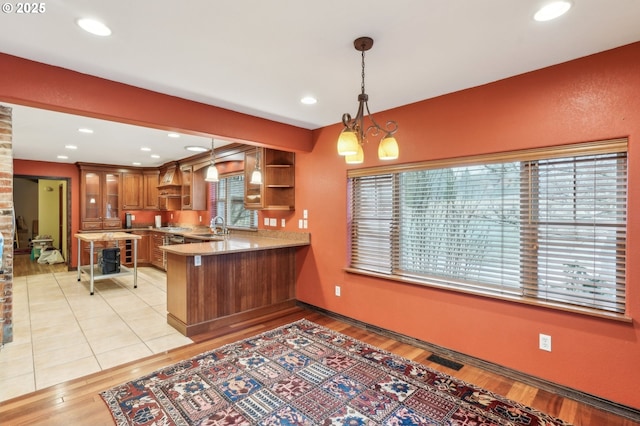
{"type": "Point", "coordinates": [227, 288]}
{"type": "Point", "coordinates": [142, 250]}
{"type": "Point", "coordinates": [156, 239]}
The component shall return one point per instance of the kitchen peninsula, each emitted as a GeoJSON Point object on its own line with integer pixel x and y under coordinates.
{"type": "Point", "coordinates": [215, 283]}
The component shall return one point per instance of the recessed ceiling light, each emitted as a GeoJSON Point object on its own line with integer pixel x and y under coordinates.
{"type": "Point", "coordinates": [173, 135]}
{"type": "Point", "coordinates": [137, 163]}
{"type": "Point", "coordinates": [62, 157]}
{"type": "Point", "coordinates": [85, 130]}
{"type": "Point", "coordinates": [155, 156]}
{"type": "Point", "coordinates": [145, 148]}
{"type": "Point", "coordinates": [71, 147]}
{"type": "Point", "coordinates": [308, 100]}
{"type": "Point", "coordinates": [94, 27]}
{"type": "Point", "coordinates": [552, 10]}
{"type": "Point", "coordinates": [196, 148]}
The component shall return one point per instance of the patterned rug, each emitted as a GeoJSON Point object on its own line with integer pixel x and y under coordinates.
{"type": "Point", "coordinates": [306, 374]}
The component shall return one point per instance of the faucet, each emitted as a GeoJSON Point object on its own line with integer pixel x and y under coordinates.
{"type": "Point", "coordinates": [214, 228]}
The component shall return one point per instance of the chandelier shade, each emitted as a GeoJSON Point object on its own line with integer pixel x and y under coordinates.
{"type": "Point", "coordinates": [388, 148]}
{"type": "Point", "coordinates": [355, 132]}
{"type": "Point", "coordinates": [348, 143]}
{"type": "Point", "coordinates": [357, 158]}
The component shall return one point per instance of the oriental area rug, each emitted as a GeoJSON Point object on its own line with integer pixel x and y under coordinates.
{"type": "Point", "coordinates": [306, 374]}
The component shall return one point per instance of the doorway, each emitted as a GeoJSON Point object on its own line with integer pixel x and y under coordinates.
{"type": "Point", "coordinates": [42, 209]}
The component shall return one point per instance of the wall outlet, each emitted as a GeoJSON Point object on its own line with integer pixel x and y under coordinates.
{"type": "Point", "coordinates": [283, 222]}
{"type": "Point", "coordinates": [338, 290]}
{"type": "Point", "coordinates": [273, 222]}
{"type": "Point", "coordinates": [545, 342]}
{"type": "Point", "coordinates": [266, 221]}
{"type": "Point", "coordinates": [305, 214]}
{"type": "Point", "coordinates": [133, 217]}
{"type": "Point", "coordinates": [197, 260]}
{"type": "Point", "coordinates": [200, 219]}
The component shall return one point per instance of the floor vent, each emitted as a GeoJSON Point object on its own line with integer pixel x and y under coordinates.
{"type": "Point", "coordinates": [444, 361]}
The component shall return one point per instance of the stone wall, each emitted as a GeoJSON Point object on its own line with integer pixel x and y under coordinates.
{"type": "Point", "coordinates": [6, 226]}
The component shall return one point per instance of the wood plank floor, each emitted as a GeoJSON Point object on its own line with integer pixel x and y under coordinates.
{"type": "Point", "coordinates": [78, 401]}
{"type": "Point", "coordinates": [24, 266]}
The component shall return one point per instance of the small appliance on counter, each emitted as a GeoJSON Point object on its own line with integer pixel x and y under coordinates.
{"type": "Point", "coordinates": [158, 221]}
{"type": "Point", "coordinates": [128, 221]}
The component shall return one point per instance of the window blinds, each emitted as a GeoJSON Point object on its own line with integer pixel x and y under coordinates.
{"type": "Point", "coordinates": [542, 225]}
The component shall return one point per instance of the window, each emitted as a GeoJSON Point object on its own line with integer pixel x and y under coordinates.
{"type": "Point", "coordinates": [541, 225]}
{"type": "Point", "coordinates": [227, 200]}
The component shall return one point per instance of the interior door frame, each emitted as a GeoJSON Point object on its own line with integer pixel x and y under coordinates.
{"type": "Point", "coordinates": [67, 254]}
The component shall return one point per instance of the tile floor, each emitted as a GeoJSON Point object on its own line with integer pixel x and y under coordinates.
{"type": "Point", "coordinates": [60, 332]}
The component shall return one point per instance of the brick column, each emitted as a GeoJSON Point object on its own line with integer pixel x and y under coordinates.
{"type": "Point", "coordinates": [6, 225]}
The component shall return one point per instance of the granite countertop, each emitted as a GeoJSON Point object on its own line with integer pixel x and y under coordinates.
{"type": "Point", "coordinates": [235, 244]}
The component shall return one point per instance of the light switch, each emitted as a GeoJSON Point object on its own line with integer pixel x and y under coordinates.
{"type": "Point", "coordinates": [273, 222]}
{"type": "Point", "coordinates": [282, 222]}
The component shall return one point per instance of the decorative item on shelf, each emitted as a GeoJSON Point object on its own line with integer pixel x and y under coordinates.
{"type": "Point", "coordinates": [354, 133]}
{"type": "Point", "coordinates": [256, 176]}
{"type": "Point", "coordinates": [212, 171]}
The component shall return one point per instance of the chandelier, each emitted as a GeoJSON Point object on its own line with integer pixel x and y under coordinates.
{"type": "Point", "coordinates": [355, 132]}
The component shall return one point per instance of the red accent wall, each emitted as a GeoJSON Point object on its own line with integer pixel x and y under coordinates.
{"type": "Point", "coordinates": [592, 98]}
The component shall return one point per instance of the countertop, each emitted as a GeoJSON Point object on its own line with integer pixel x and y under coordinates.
{"type": "Point", "coordinates": [106, 236]}
{"type": "Point", "coordinates": [234, 244]}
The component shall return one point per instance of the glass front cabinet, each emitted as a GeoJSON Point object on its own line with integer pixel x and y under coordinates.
{"type": "Point", "coordinates": [101, 197]}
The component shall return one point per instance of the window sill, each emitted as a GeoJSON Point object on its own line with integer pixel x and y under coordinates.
{"type": "Point", "coordinates": [509, 298]}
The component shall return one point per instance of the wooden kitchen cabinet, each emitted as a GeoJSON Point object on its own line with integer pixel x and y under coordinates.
{"type": "Point", "coordinates": [156, 239]}
{"type": "Point", "coordinates": [194, 188]}
{"type": "Point", "coordinates": [150, 190]}
{"type": "Point", "coordinates": [132, 190]}
{"type": "Point", "coordinates": [277, 190]}
{"type": "Point", "coordinates": [170, 189]}
{"type": "Point", "coordinates": [98, 246]}
{"type": "Point", "coordinates": [143, 258]}
{"type": "Point", "coordinates": [100, 200]}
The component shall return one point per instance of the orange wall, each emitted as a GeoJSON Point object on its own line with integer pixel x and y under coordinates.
{"type": "Point", "coordinates": [591, 98]}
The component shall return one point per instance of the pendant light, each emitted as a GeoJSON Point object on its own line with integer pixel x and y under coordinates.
{"type": "Point", "coordinates": [212, 171]}
{"type": "Point", "coordinates": [355, 133]}
{"type": "Point", "coordinates": [256, 176]}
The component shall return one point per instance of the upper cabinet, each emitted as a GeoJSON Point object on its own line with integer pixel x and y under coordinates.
{"type": "Point", "coordinates": [132, 190]}
{"type": "Point", "coordinates": [100, 200]}
{"type": "Point", "coordinates": [140, 189]}
{"type": "Point", "coordinates": [193, 189]}
{"type": "Point", "coordinates": [277, 189]}
{"type": "Point", "coordinates": [150, 189]}
{"type": "Point", "coordinates": [170, 189]}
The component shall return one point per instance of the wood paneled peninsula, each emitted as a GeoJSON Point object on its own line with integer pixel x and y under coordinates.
{"type": "Point", "coordinates": [216, 283]}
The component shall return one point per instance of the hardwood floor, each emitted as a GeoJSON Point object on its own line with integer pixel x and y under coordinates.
{"type": "Point", "coordinates": [78, 401]}
{"type": "Point", "coordinates": [23, 266]}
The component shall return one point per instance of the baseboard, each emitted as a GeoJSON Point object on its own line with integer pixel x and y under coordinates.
{"type": "Point", "coordinates": [564, 391]}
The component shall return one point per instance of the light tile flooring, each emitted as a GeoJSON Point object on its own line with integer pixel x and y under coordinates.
{"type": "Point", "coordinates": [60, 332]}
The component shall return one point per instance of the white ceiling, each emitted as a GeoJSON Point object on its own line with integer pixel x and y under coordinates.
{"type": "Point", "coordinates": [260, 57]}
